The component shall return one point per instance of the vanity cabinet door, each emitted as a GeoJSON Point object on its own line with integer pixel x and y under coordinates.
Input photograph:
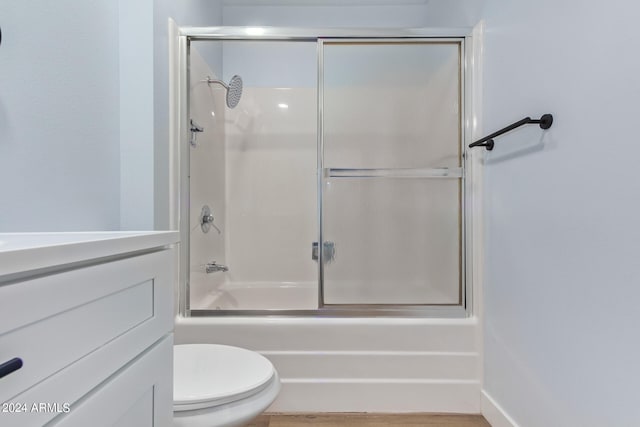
{"type": "Point", "coordinates": [140, 395]}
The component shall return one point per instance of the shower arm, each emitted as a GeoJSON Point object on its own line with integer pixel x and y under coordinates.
{"type": "Point", "coordinates": [545, 122]}
{"type": "Point", "coordinates": [209, 80]}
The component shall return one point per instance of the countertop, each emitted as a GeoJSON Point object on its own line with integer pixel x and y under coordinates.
{"type": "Point", "coordinates": [22, 252]}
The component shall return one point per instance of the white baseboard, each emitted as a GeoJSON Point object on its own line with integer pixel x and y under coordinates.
{"type": "Point", "coordinates": [496, 416]}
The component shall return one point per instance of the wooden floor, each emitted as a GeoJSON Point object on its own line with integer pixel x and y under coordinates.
{"type": "Point", "coordinates": [369, 420]}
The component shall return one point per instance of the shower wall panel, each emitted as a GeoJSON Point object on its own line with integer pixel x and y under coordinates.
{"type": "Point", "coordinates": [271, 186]}
{"type": "Point", "coordinates": [207, 179]}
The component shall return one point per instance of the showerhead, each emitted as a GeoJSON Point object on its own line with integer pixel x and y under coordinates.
{"type": "Point", "coordinates": [234, 89]}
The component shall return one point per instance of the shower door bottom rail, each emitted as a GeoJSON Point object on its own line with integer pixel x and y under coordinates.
{"type": "Point", "coordinates": [453, 311]}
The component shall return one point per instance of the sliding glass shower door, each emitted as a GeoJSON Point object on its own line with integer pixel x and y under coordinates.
{"type": "Point", "coordinates": [392, 172]}
{"type": "Point", "coordinates": [337, 185]}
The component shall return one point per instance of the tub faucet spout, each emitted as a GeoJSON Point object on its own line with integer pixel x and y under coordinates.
{"type": "Point", "coordinates": [213, 266]}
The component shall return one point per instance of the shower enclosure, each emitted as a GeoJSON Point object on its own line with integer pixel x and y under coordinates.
{"type": "Point", "coordinates": [337, 185]}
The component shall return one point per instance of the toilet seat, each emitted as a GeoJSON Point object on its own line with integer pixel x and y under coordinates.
{"type": "Point", "coordinates": [209, 375]}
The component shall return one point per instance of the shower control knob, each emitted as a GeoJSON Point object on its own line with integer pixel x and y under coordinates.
{"type": "Point", "coordinates": [206, 220]}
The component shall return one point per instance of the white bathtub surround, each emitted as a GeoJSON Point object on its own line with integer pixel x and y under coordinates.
{"type": "Point", "coordinates": [271, 186]}
{"type": "Point", "coordinates": [258, 295]}
{"type": "Point", "coordinates": [259, 178]}
{"type": "Point", "coordinates": [269, 210]}
{"type": "Point", "coordinates": [354, 365]}
{"type": "Point", "coordinates": [208, 178]}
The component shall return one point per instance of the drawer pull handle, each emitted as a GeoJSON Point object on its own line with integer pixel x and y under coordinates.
{"type": "Point", "coordinates": [10, 366]}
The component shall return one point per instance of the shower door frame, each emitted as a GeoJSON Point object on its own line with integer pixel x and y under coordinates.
{"type": "Point", "coordinates": [469, 126]}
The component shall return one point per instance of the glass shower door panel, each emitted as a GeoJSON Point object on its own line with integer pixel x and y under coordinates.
{"type": "Point", "coordinates": [396, 241]}
{"type": "Point", "coordinates": [392, 173]}
{"type": "Point", "coordinates": [255, 167]}
{"type": "Point", "coordinates": [391, 105]}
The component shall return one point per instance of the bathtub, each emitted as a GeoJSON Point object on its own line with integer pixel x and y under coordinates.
{"type": "Point", "coordinates": [330, 364]}
{"type": "Point", "coordinates": [259, 296]}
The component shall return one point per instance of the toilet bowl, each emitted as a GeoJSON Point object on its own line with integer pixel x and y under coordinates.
{"type": "Point", "coordinates": [220, 386]}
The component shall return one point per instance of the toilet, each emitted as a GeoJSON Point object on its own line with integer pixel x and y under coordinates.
{"type": "Point", "coordinates": [220, 386]}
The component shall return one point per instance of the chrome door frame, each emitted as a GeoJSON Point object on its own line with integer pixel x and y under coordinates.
{"type": "Point", "coordinates": [188, 35]}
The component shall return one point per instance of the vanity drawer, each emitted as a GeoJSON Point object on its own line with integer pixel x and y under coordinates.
{"type": "Point", "coordinates": [49, 322]}
{"type": "Point", "coordinates": [104, 389]}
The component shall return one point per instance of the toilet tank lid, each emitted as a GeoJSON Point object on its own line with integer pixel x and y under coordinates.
{"type": "Point", "coordinates": [212, 372]}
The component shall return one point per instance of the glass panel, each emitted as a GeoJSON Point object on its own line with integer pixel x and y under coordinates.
{"type": "Point", "coordinates": [255, 167]}
{"type": "Point", "coordinates": [391, 105]}
{"type": "Point", "coordinates": [395, 241]}
{"type": "Point", "coordinates": [392, 192]}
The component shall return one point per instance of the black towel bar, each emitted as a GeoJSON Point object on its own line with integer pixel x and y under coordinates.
{"type": "Point", "coordinates": [545, 122]}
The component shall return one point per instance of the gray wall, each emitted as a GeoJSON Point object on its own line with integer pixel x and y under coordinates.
{"type": "Point", "coordinates": [294, 64]}
{"type": "Point", "coordinates": [136, 115]}
{"type": "Point", "coordinates": [59, 116]}
{"type": "Point", "coordinates": [561, 290]}
{"type": "Point", "coordinates": [185, 13]}
{"type": "Point", "coordinates": [337, 14]}
{"type": "Point", "coordinates": [84, 112]}
{"type": "Point", "coordinates": [561, 280]}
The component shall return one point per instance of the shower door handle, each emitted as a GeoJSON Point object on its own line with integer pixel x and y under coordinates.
{"type": "Point", "coordinates": [442, 172]}
{"type": "Point", "coordinates": [328, 252]}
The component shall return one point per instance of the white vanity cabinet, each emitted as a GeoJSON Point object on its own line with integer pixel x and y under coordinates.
{"type": "Point", "coordinates": [90, 317]}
